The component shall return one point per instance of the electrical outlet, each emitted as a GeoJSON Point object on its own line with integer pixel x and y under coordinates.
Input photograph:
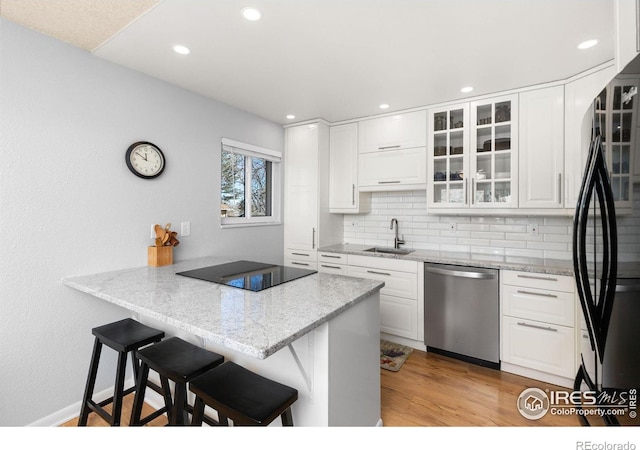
{"type": "Point", "coordinates": [533, 229]}
{"type": "Point", "coordinates": [185, 229]}
{"type": "Point", "coordinates": [453, 226]}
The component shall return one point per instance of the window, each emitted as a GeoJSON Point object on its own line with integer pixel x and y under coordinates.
{"type": "Point", "coordinates": [250, 184]}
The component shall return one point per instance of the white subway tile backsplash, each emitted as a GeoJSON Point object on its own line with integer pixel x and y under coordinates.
{"type": "Point", "coordinates": [484, 235]}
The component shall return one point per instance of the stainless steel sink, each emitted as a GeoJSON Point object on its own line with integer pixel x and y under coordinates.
{"type": "Point", "coordinates": [389, 250]}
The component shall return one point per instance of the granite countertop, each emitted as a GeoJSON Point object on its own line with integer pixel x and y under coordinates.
{"type": "Point", "coordinates": [524, 264]}
{"type": "Point", "coordinates": [254, 323]}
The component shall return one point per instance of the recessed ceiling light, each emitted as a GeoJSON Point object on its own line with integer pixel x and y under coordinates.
{"type": "Point", "coordinates": [588, 44]}
{"type": "Point", "coordinates": [251, 14]}
{"type": "Point", "coordinates": [290, 116]}
{"type": "Point", "coordinates": [383, 106]}
{"type": "Point", "coordinates": [181, 49]}
{"type": "Point", "coordinates": [466, 89]}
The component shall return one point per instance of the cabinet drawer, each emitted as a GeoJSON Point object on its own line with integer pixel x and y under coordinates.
{"type": "Point", "coordinates": [398, 284]}
{"type": "Point", "coordinates": [311, 265]}
{"type": "Point", "coordinates": [332, 258]}
{"type": "Point", "coordinates": [301, 255]}
{"type": "Point", "coordinates": [539, 280]}
{"type": "Point", "coordinates": [398, 316]}
{"type": "Point", "coordinates": [383, 263]}
{"type": "Point", "coordinates": [539, 346]}
{"type": "Point", "coordinates": [338, 269]}
{"type": "Point", "coordinates": [536, 304]}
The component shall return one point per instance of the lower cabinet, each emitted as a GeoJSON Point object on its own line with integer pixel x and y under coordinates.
{"type": "Point", "coordinates": [399, 296]}
{"type": "Point", "coordinates": [538, 333]}
{"type": "Point", "coordinates": [305, 259]}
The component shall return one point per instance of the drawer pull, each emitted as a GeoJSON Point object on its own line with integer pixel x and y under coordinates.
{"type": "Point", "coordinates": [331, 267]}
{"type": "Point", "coordinates": [585, 336]}
{"type": "Point", "coordinates": [331, 256]}
{"type": "Point", "coordinates": [299, 264]}
{"type": "Point", "coordinates": [389, 147]}
{"type": "Point", "coordinates": [539, 294]}
{"type": "Point", "coordinates": [388, 182]}
{"type": "Point", "coordinates": [531, 277]}
{"type": "Point", "coordinates": [523, 324]}
{"type": "Point", "coordinates": [379, 273]}
{"type": "Point", "coordinates": [300, 254]}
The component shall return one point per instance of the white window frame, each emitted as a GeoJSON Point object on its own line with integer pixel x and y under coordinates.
{"type": "Point", "coordinates": [275, 157]}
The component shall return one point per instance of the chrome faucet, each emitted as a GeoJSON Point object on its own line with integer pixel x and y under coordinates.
{"type": "Point", "coordinates": [396, 241]}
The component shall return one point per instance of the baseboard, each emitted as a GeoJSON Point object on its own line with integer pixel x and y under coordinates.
{"type": "Point", "coordinates": [404, 341]}
{"type": "Point", "coordinates": [537, 375]}
{"type": "Point", "coordinates": [64, 415]}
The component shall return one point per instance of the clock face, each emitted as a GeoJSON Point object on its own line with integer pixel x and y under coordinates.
{"type": "Point", "coordinates": [145, 160]}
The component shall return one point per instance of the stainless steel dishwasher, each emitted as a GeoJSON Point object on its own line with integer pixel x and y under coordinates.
{"type": "Point", "coordinates": [461, 316]}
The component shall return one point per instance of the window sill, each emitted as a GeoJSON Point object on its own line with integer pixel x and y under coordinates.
{"type": "Point", "coordinates": [249, 224]}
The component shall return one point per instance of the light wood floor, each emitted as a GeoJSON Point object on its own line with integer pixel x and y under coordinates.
{"type": "Point", "coordinates": [433, 390]}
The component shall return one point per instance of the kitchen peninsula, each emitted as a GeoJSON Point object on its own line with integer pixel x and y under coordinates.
{"type": "Point", "coordinates": [319, 333]}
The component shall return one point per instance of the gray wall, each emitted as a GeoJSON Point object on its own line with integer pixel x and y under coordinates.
{"type": "Point", "coordinates": [69, 205]}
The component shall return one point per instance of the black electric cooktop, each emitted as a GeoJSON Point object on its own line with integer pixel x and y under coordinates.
{"type": "Point", "coordinates": [249, 275]}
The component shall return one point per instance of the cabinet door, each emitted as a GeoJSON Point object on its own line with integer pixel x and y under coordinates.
{"type": "Point", "coordinates": [398, 316]}
{"type": "Point", "coordinates": [541, 150]}
{"type": "Point", "coordinates": [301, 181]}
{"type": "Point", "coordinates": [493, 164]}
{"type": "Point", "coordinates": [344, 194]}
{"type": "Point", "coordinates": [448, 157]}
{"type": "Point", "coordinates": [393, 170]}
{"type": "Point", "coordinates": [400, 131]}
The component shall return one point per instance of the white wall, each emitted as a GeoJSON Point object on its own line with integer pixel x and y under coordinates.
{"type": "Point", "coordinates": [69, 205]}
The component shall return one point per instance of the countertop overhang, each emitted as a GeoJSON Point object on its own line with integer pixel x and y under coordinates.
{"type": "Point", "coordinates": [254, 323]}
{"type": "Point", "coordinates": [520, 263]}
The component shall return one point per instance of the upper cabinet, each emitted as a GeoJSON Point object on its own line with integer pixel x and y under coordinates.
{"type": "Point", "coordinates": [392, 152]}
{"type": "Point", "coordinates": [344, 193]}
{"type": "Point", "coordinates": [541, 154]}
{"type": "Point", "coordinates": [615, 118]}
{"type": "Point", "coordinates": [473, 155]}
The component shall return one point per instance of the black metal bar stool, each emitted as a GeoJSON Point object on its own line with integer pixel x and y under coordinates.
{"type": "Point", "coordinates": [180, 362]}
{"type": "Point", "coordinates": [124, 336]}
{"type": "Point", "coordinates": [242, 396]}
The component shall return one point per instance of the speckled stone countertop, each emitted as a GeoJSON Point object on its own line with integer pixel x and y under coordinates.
{"type": "Point", "coordinates": [537, 265]}
{"type": "Point", "coordinates": [254, 323]}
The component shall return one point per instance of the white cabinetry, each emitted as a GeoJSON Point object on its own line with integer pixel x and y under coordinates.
{"type": "Point", "coordinates": [473, 156]}
{"type": "Point", "coordinates": [392, 152]}
{"type": "Point", "coordinates": [541, 158]}
{"type": "Point", "coordinates": [399, 308]}
{"type": "Point", "coordinates": [307, 221]}
{"type": "Point", "coordinates": [538, 326]}
{"type": "Point", "coordinates": [332, 263]}
{"type": "Point", "coordinates": [344, 193]}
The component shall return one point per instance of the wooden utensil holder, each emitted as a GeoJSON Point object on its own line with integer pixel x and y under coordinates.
{"type": "Point", "coordinates": [160, 256]}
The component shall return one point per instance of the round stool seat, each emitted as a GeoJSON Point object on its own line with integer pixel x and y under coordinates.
{"type": "Point", "coordinates": [176, 360]}
{"type": "Point", "coordinates": [242, 396]}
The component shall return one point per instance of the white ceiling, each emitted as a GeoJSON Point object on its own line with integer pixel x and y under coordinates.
{"type": "Point", "coordinates": [334, 59]}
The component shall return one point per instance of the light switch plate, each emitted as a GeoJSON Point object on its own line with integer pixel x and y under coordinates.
{"type": "Point", "coordinates": [185, 229]}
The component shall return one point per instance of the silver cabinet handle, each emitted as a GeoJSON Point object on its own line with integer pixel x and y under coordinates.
{"type": "Point", "coordinates": [466, 193]}
{"type": "Point", "coordinates": [313, 239]}
{"type": "Point", "coordinates": [539, 294]}
{"type": "Point", "coordinates": [560, 188]}
{"type": "Point", "coordinates": [538, 327]}
{"type": "Point", "coordinates": [462, 273]}
{"type": "Point", "coordinates": [330, 267]}
{"type": "Point", "coordinates": [299, 264]}
{"type": "Point", "coordinates": [331, 256]}
{"type": "Point", "coordinates": [353, 194]}
{"type": "Point", "coordinates": [473, 188]}
{"type": "Point", "coordinates": [388, 182]}
{"type": "Point", "coordinates": [533, 277]}
{"type": "Point", "coordinates": [389, 147]}
{"type": "Point", "coordinates": [379, 273]}
{"type": "Point", "coordinates": [300, 254]}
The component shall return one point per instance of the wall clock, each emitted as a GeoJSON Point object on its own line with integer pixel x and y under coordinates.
{"type": "Point", "coordinates": [145, 160]}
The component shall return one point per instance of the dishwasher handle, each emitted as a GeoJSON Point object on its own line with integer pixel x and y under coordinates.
{"type": "Point", "coordinates": [462, 273]}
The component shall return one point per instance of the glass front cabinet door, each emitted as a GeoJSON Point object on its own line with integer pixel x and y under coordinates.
{"type": "Point", "coordinates": [472, 155]}
{"type": "Point", "coordinates": [615, 119]}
